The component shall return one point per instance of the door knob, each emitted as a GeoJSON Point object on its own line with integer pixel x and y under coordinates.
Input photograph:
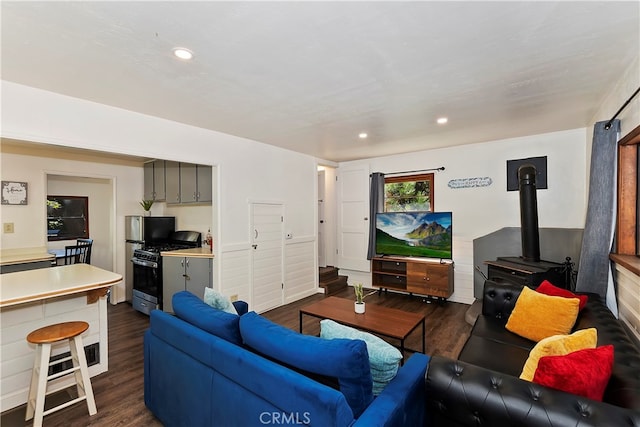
{"type": "Point", "coordinates": [254, 246]}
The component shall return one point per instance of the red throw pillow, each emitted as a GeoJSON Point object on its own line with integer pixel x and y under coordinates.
{"type": "Point", "coordinates": [548, 288]}
{"type": "Point", "coordinates": [583, 372]}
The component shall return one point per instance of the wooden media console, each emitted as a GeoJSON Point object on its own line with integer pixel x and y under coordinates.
{"type": "Point", "coordinates": [428, 277]}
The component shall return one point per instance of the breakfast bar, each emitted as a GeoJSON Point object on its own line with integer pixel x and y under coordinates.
{"type": "Point", "coordinates": [36, 298]}
{"type": "Point", "coordinates": [21, 259]}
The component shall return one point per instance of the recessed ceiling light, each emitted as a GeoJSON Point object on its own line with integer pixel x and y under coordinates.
{"type": "Point", "coordinates": [362, 135]}
{"type": "Point", "coordinates": [183, 53]}
{"type": "Point", "coordinates": [442, 120]}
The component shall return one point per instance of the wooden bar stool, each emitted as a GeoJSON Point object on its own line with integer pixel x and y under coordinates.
{"type": "Point", "coordinates": [44, 338]}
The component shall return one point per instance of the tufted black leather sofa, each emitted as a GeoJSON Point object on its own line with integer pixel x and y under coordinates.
{"type": "Point", "coordinates": [482, 387]}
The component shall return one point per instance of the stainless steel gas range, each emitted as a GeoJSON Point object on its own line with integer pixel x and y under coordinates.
{"type": "Point", "coordinates": [147, 269]}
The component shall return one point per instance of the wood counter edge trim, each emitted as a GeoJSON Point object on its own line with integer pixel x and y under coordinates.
{"type": "Point", "coordinates": [630, 262]}
{"type": "Point", "coordinates": [94, 295]}
{"type": "Point", "coordinates": [61, 293]}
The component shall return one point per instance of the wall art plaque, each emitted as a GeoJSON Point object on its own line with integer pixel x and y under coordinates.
{"type": "Point", "coordinates": [14, 193]}
{"type": "Point", "coordinates": [484, 181]}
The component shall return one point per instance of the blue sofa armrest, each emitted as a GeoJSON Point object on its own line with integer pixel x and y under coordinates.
{"type": "Point", "coordinates": [402, 402]}
{"type": "Point", "coordinates": [241, 307]}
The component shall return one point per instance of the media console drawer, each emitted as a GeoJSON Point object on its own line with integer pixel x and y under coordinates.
{"type": "Point", "coordinates": [424, 277]}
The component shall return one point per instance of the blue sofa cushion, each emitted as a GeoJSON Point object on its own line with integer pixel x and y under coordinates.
{"type": "Point", "coordinates": [383, 357]}
{"type": "Point", "coordinates": [347, 360]}
{"type": "Point", "coordinates": [192, 309]}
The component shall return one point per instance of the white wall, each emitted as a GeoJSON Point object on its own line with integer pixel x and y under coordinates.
{"type": "Point", "coordinates": [479, 211]}
{"type": "Point", "coordinates": [620, 92]}
{"type": "Point", "coordinates": [247, 170]}
{"type": "Point", "coordinates": [33, 166]}
{"type": "Point", "coordinates": [192, 218]}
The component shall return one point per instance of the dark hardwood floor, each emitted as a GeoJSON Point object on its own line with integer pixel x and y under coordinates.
{"type": "Point", "coordinates": [119, 393]}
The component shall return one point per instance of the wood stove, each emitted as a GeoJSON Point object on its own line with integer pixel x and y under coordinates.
{"type": "Point", "coordinates": [529, 269]}
{"type": "Point", "coordinates": [516, 270]}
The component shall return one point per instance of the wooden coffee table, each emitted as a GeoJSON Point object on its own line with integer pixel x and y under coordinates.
{"type": "Point", "coordinates": [385, 321]}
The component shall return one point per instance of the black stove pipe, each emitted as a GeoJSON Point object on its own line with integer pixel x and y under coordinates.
{"type": "Point", "coordinates": [529, 213]}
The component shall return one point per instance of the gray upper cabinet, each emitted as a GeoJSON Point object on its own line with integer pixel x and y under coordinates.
{"type": "Point", "coordinates": [159, 184]}
{"type": "Point", "coordinates": [154, 180]}
{"type": "Point", "coordinates": [188, 183]}
{"type": "Point", "coordinates": [205, 190]}
{"type": "Point", "coordinates": [172, 172]}
{"type": "Point", "coordinates": [148, 181]}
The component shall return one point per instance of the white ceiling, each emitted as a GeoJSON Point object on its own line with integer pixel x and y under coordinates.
{"type": "Point", "coordinates": [310, 76]}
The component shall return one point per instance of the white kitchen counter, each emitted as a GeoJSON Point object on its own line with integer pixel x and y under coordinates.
{"type": "Point", "coordinates": [35, 298]}
{"type": "Point", "coordinates": [203, 252]}
{"type": "Point", "coordinates": [24, 256]}
{"type": "Point", "coordinates": [35, 285]}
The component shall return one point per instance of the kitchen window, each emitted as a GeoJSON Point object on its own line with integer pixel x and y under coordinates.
{"type": "Point", "coordinates": [67, 217]}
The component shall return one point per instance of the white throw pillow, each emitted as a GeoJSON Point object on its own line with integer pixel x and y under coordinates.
{"type": "Point", "coordinates": [384, 358]}
{"type": "Point", "coordinates": [217, 300]}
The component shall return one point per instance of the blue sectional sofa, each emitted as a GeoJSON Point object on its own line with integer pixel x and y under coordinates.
{"type": "Point", "coordinates": [199, 371]}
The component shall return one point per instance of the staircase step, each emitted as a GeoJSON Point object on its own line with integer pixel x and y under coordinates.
{"type": "Point", "coordinates": [328, 273]}
{"type": "Point", "coordinates": [334, 286]}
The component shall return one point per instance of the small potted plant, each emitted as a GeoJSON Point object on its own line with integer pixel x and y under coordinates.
{"type": "Point", "coordinates": [54, 222]}
{"type": "Point", "coordinates": [146, 205]}
{"type": "Point", "coordinates": [359, 304]}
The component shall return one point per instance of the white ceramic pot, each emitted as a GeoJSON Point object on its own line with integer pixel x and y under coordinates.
{"type": "Point", "coordinates": [359, 307]}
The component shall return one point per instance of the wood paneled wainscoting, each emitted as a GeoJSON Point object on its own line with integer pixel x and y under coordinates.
{"type": "Point", "coordinates": [119, 393]}
{"type": "Point", "coordinates": [628, 280]}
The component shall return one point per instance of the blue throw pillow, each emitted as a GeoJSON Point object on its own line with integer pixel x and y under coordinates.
{"type": "Point", "coordinates": [346, 360]}
{"type": "Point", "coordinates": [192, 309]}
{"type": "Point", "coordinates": [217, 300]}
{"type": "Point", "coordinates": [383, 357]}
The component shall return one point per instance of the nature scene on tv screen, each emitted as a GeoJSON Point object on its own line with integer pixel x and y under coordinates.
{"type": "Point", "coordinates": [422, 234]}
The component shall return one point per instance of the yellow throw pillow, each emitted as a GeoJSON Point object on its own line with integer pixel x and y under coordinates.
{"type": "Point", "coordinates": [536, 316]}
{"type": "Point", "coordinates": [558, 345]}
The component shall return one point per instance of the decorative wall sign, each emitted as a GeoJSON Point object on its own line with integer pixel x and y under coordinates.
{"type": "Point", "coordinates": [484, 181]}
{"type": "Point", "coordinates": [14, 193]}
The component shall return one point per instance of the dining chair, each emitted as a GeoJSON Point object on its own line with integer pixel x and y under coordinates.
{"type": "Point", "coordinates": [90, 243]}
{"type": "Point", "coordinates": [78, 253]}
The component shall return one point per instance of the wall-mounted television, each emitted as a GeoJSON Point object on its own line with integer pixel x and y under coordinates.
{"type": "Point", "coordinates": [414, 234]}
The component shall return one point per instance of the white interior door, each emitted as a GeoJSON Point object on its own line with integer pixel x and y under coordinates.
{"type": "Point", "coordinates": [353, 217]}
{"type": "Point", "coordinates": [267, 256]}
{"type": "Point", "coordinates": [322, 248]}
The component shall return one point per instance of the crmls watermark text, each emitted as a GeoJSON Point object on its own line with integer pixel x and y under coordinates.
{"type": "Point", "coordinates": [282, 418]}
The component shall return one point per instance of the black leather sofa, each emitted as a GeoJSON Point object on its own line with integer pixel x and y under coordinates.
{"type": "Point", "coordinates": [482, 387]}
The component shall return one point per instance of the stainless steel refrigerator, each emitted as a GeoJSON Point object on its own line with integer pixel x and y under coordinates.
{"type": "Point", "coordinates": [140, 231]}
